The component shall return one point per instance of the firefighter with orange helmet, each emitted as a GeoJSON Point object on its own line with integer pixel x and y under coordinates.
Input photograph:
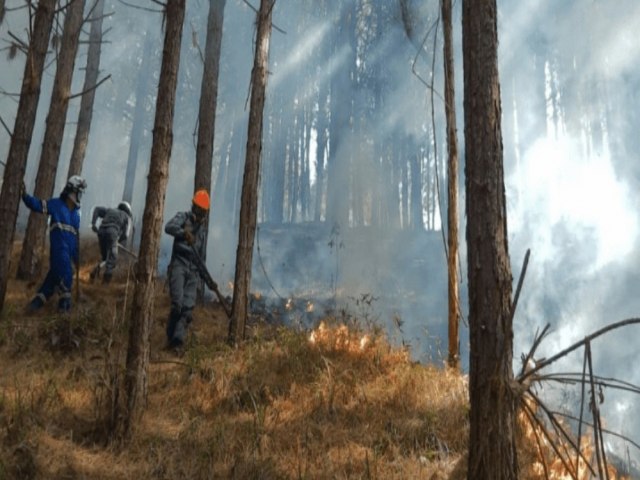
{"type": "Point", "coordinates": [188, 230]}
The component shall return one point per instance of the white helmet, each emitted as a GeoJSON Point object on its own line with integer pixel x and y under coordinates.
{"type": "Point", "coordinates": [74, 189]}
{"type": "Point", "coordinates": [126, 208]}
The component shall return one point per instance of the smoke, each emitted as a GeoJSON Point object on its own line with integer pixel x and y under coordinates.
{"type": "Point", "coordinates": [569, 82]}
{"type": "Point", "coordinates": [572, 196]}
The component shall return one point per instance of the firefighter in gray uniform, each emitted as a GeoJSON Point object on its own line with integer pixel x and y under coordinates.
{"type": "Point", "coordinates": [115, 227]}
{"type": "Point", "coordinates": [189, 232]}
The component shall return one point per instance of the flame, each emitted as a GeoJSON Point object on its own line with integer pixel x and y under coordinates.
{"type": "Point", "coordinates": [289, 304]}
{"type": "Point", "coordinates": [338, 338]}
{"type": "Point", "coordinates": [556, 468]}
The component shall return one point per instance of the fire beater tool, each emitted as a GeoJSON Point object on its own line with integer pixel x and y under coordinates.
{"type": "Point", "coordinates": [209, 281]}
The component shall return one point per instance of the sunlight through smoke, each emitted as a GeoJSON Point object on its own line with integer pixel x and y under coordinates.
{"type": "Point", "coordinates": [581, 194]}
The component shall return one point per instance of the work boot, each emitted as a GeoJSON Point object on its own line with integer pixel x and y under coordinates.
{"type": "Point", "coordinates": [106, 278]}
{"type": "Point", "coordinates": [174, 317]}
{"type": "Point", "coordinates": [34, 305]}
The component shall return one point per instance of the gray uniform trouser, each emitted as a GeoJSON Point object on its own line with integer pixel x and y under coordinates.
{"type": "Point", "coordinates": [183, 283]}
{"type": "Point", "coordinates": [108, 238]}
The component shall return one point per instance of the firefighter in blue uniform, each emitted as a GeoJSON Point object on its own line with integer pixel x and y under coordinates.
{"type": "Point", "coordinates": [64, 213]}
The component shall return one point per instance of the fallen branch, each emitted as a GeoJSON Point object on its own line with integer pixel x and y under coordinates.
{"type": "Point", "coordinates": [608, 432]}
{"type": "Point", "coordinates": [587, 339]}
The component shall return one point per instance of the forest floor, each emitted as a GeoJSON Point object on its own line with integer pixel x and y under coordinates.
{"type": "Point", "coordinates": [331, 403]}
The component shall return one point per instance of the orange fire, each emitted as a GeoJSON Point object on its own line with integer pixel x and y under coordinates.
{"type": "Point", "coordinates": [338, 338]}
{"type": "Point", "coordinates": [556, 468]}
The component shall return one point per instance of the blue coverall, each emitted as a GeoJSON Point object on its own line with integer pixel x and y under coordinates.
{"type": "Point", "coordinates": [63, 249]}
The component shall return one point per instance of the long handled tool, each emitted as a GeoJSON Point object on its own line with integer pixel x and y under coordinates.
{"type": "Point", "coordinates": [127, 251]}
{"type": "Point", "coordinates": [209, 281]}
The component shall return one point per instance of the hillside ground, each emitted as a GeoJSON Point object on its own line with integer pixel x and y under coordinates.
{"type": "Point", "coordinates": [346, 405]}
{"type": "Point", "coordinates": [334, 402]}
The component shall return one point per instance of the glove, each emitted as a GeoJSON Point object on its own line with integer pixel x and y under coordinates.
{"type": "Point", "coordinates": [94, 228]}
{"type": "Point", "coordinates": [188, 237]}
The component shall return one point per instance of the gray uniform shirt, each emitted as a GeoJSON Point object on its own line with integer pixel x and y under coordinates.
{"type": "Point", "coordinates": [112, 218]}
{"type": "Point", "coordinates": [181, 249]}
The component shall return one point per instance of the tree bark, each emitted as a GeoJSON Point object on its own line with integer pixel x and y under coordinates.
{"type": "Point", "coordinates": [208, 104]}
{"type": "Point", "coordinates": [321, 149]}
{"type": "Point", "coordinates": [492, 452]}
{"type": "Point", "coordinates": [31, 258]}
{"type": "Point", "coordinates": [249, 198]}
{"type": "Point", "coordinates": [452, 188]}
{"type": "Point", "coordinates": [209, 96]}
{"type": "Point", "coordinates": [90, 81]}
{"type": "Point", "coordinates": [16, 163]}
{"type": "Point", "coordinates": [417, 222]}
{"type": "Point", "coordinates": [135, 383]}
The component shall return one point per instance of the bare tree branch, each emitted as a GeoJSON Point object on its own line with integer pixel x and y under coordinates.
{"type": "Point", "coordinates": [92, 88]}
{"type": "Point", "coordinates": [573, 378]}
{"type": "Point", "coordinates": [18, 40]}
{"type": "Point", "coordinates": [534, 421]}
{"type": "Point", "coordinates": [520, 281]}
{"type": "Point", "coordinates": [8, 94]}
{"type": "Point", "coordinates": [141, 8]}
{"type": "Point", "coordinates": [6, 128]}
{"type": "Point", "coordinates": [256, 11]}
{"type": "Point", "coordinates": [549, 438]}
{"type": "Point", "coordinates": [537, 339]}
{"type": "Point", "coordinates": [608, 432]}
{"type": "Point", "coordinates": [195, 43]}
{"type": "Point", "coordinates": [64, 7]}
{"type": "Point", "coordinates": [602, 331]}
{"type": "Point", "coordinates": [595, 411]}
{"type": "Point", "coordinates": [560, 429]}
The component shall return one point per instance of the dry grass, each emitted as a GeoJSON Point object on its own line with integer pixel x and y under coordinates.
{"type": "Point", "coordinates": [279, 407]}
{"type": "Point", "coordinates": [337, 404]}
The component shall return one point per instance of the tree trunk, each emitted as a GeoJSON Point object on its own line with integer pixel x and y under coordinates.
{"type": "Point", "coordinates": [16, 163]}
{"type": "Point", "coordinates": [492, 452]}
{"type": "Point", "coordinates": [338, 162]}
{"type": "Point", "coordinates": [452, 188]}
{"type": "Point", "coordinates": [135, 384]}
{"type": "Point", "coordinates": [278, 168]}
{"type": "Point", "coordinates": [209, 96]}
{"type": "Point", "coordinates": [31, 258]}
{"type": "Point", "coordinates": [305, 180]}
{"type": "Point", "coordinates": [137, 126]}
{"type": "Point", "coordinates": [90, 80]}
{"type": "Point", "coordinates": [249, 200]}
{"type": "Point", "coordinates": [321, 150]}
{"type": "Point", "coordinates": [208, 103]}
{"type": "Point", "coordinates": [417, 222]}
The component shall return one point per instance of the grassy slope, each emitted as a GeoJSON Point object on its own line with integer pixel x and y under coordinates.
{"type": "Point", "coordinates": [278, 407]}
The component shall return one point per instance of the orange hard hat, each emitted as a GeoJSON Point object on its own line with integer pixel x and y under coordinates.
{"type": "Point", "coordinates": [201, 199]}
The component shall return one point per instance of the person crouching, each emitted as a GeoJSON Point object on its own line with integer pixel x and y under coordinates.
{"type": "Point", "coordinates": [115, 226]}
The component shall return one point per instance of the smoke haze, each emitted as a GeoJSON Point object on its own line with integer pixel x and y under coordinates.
{"type": "Point", "coordinates": [569, 80]}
